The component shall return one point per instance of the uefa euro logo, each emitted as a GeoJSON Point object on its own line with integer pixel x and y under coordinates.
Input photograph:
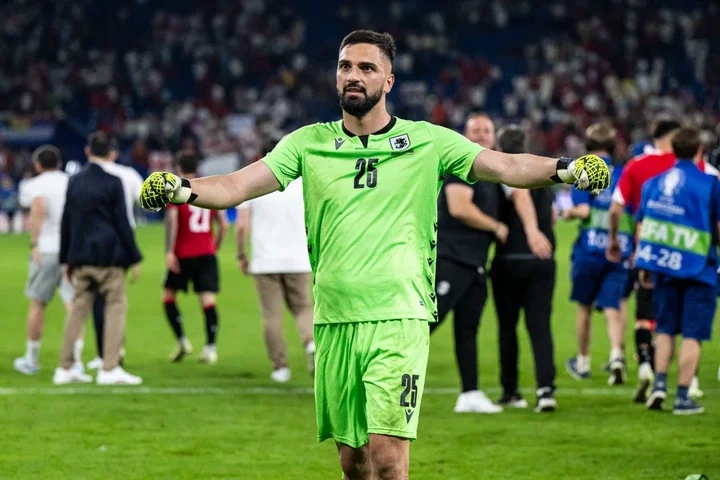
{"type": "Point", "coordinates": [672, 182]}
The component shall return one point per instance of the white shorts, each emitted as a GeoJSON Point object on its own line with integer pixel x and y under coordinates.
{"type": "Point", "coordinates": [45, 278]}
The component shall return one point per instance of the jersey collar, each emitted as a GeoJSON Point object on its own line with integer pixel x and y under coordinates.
{"type": "Point", "coordinates": [385, 129]}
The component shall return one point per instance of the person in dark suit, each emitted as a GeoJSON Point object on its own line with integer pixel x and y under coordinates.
{"type": "Point", "coordinates": [523, 277]}
{"type": "Point", "coordinates": [467, 226]}
{"type": "Point", "coordinates": [97, 247]}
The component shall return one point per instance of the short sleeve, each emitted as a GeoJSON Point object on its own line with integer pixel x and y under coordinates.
{"type": "Point", "coordinates": [580, 197]}
{"type": "Point", "coordinates": [26, 193]}
{"type": "Point", "coordinates": [456, 152]}
{"type": "Point", "coordinates": [136, 184]}
{"type": "Point", "coordinates": [507, 191]}
{"type": "Point", "coordinates": [453, 179]}
{"type": "Point", "coordinates": [285, 159]}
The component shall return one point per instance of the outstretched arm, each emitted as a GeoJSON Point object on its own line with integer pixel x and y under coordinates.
{"type": "Point", "coordinates": [224, 191]}
{"type": "Point", "coordinates": [521, 170]}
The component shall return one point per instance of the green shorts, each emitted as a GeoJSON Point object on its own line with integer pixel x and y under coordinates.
{"type": "Point", "coordinates": [369, 378]}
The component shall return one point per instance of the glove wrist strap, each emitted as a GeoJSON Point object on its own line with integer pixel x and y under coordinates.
{"type": "Point", "coordinates": [562, 174]}
{"type": "Point", "coordinates": [184, 193]}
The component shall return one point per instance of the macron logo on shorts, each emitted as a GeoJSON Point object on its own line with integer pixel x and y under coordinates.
{"type": "Point", "coordinates": [408, 414]}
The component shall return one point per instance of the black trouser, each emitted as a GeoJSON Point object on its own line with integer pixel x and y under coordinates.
{"type": "Point", "coordinates": [463, 289]}
{"type": "Point", "coordinates": [526, 284]}
{"type": "Point", "coordinates": [99, 322]}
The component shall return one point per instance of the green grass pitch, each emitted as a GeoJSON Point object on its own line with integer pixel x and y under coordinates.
{"type": "Point", "coordinates": [229, 421]}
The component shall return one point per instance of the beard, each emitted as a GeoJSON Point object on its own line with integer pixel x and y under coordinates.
{"type": "Point", "coordinates": [359, 105]}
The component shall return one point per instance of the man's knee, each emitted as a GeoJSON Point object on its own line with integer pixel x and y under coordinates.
{"type": "Point", "coordinates": [169, 295]}
{"type": "Point", "coordinates": [355, 462]}
{"type": "Point", "coordinates": [390, 457]}
{"type": "Point", "coordinates": [207, 299]}
{"type": "Point", "coordinates": [643, 324]}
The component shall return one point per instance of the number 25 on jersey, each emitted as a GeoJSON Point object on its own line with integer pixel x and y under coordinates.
{"type": "Point", "coordinates": [366, 166]}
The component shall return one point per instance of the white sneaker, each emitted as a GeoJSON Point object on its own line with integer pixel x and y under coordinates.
{"type": "Point", "coordinates": [646, 377]}
{"type": "Point", "coordinates": [694, 390]}
{"type": "Point", "coordinates": [545, 400]}
{"type": "Point", "coordinates": [95, 364]}
{"type": "Point", "coordinates": [78, 367]}
{"type": "Point", "coordinates": [26, 367]}
{"type": "Point", "coordinates": [281, 375]}
{"type": "Point", "coordinates": [63, 377]}
{"type": "Point", "coordinates": [475, 401]}
{"type": "Point", "coordinates": [208, 355]}
{"type": "Point", "coordinates": [183, 347]}
{"type": "Point", "coordinates": [617, 372]}
{"type": "Point", "coordinates": [117, 376]}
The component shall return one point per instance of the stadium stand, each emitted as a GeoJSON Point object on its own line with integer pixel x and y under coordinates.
{"type": "Point", "coordinates": [225, 76]}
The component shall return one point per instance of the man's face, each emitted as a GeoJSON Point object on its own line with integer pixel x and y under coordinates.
{"type": "Point", "coordinates": [363, 77]}
{"type": "Point", "coordinates": [481, 131]}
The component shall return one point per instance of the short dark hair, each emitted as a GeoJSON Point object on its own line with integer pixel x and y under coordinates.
{"type": "Point", "coordinates": [101, 144]}
{"type": "Point", "coordinates": [663, 126]}
{"type": "Point", "coordinates": [187, 161]}
{"type": "Point", "coordinates": [384, 41]}
{"type": "Point", "coordinates": [686, 142]}
{"type": "Point", "coordinates": [48, 156]}
{"type": "Point", "coordinates": [600, 137]}
{"type": "Point", "coordinates": [511, 139]}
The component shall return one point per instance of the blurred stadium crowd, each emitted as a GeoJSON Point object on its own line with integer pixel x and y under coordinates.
{"type": "Point", "coordinates": [229, 78]}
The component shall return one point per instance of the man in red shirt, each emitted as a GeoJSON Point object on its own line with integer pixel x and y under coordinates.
{"type": "Point", "coordinates": [190, 256]}
{"type": "Point", "coordinates": [628, 191]}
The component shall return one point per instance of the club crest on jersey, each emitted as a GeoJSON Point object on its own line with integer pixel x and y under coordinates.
{"type": "Point", "coordinates": [401, 142]}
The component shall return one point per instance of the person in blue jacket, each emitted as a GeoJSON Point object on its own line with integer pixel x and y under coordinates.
{"type": "Point", "coordinates": [595, 280]}
{"type": "Point", "coordinates": [679, 225]}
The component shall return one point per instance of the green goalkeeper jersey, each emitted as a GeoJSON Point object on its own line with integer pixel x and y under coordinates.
{"type": "Point", "coordinates": [371, 213]}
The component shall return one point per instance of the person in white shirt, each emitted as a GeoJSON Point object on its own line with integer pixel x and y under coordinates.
{"type": "Point", "coordinates": [281, 268]}
{"type": "Point", "coordinates": [44, 195]}
{"type": "Point", "coordinates": [132, 184]}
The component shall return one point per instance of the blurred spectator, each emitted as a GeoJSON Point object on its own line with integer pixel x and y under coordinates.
{"type": "Point", "coordinates": [10, 215]}
{"type": "Point", "coordinates": [164, 73]}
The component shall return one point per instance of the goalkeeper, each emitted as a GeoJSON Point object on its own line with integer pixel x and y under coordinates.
{"type": "Point", "coordinates": [370, 184]}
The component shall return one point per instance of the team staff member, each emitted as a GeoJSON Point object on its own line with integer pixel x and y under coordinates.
{"type": "Point", "coordinates": [97, 246]}
{"type": "Point", "coordinates": [281, 269]}
{"type": "Point", "coordinates": [626, 195]}
{"type": "Point", "coordinates": [596, 281]}
{"type": "Point", "coordinates": [523, 276]}
{"type": "Point", "coordinates": [679, 220]}
{"type": "Point", "coordinates": [467, 226]}
{"type": "Point", "coordinates": [132, 185]}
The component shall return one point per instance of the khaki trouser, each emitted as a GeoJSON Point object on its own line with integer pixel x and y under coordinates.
{"type": "Point", "coordinates": [109, 282]}
{"type": "Point", "coordinates": [275, 290]}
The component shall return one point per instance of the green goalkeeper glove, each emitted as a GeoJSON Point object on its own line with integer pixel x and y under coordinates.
{"type": "Point", "coordinates": [161, 188]}
{"type": "Point", "coordinates": [588, 172]}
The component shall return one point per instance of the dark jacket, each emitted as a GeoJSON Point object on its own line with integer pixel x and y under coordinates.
{"type": "Point", "coordinates": [95, 227]}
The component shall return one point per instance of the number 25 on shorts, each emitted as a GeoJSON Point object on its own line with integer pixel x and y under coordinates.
{"type": "Point", "coordinates": [409, 383]}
